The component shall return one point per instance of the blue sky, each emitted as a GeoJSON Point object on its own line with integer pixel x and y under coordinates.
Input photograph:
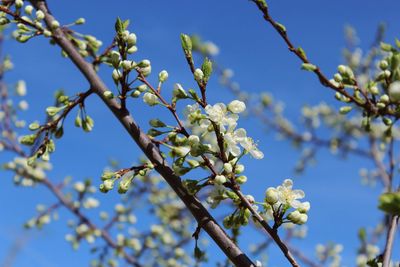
{"type": "Point", "coordinates": [260, 61]}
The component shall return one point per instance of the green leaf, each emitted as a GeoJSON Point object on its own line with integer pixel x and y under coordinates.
{"type": "Point", "coordinates": [119, 26]}
{"type": "Point", "coordinates": [186, 42]}
{"type": "Point", "coordinates": [302, 52]}
{"type": "Point", "coordinates": [390, 203]}
{"type": "Point", "coordinates": [154, 132]}
{"type": "Point", "coordinates": [156, 123]}
{"type": "Point", "coordinates": [362, 234]}
{"type": "Point", "coordinates": [207, 69]}
{"type": "Point", "coordinates": [386, 47]}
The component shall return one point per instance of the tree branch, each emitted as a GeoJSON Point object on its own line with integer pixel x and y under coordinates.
{"type": "Point", "coordinates": [203, 217]}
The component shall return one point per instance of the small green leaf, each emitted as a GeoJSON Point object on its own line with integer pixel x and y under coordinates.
{"type": "Point", "coordinates": [386, 47]}
{"type": "Point", "coordinates": [302, 52]}
{"type": "Point", "coordinates": [207, 69]}
{"type": "Point", "coordinates": [390, 203]}
{"type": "Point", "coordinates": [156, 123]}
{"type": "Point", "coordinates": [186, 43]}
{"type": "Point", "coordinates": [119, 27]}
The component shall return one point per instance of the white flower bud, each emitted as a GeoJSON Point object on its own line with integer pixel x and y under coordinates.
{"type": "Point", "coordinates": [29, 9]}
{"type": "Point", "coordinates": [128, 64]}
{"type": "Point", "coordinates": [302, 218]}
{"type": "Point", "coordinates": [80, 21]}
{"type": "Point", "coordinates": [241, 179]}
{"type": "Point", "coordinates": [271, 196]}
{"type": "Point", "coordinates": [383, 65]}
{"type": "Point", "coordinates": [219, 179]}
{"type": "Point", "coordinates": [394, 91]}
{"type": "Point", "coordinates": [132, 50]}
{"type": "Point", "coordinates": [47, 33]}
{"type": "Point", "coordinates": [198, 75]}
{"type": "Point", "coordinates": [108, 94]}
{"type": "Point", "coordinates": [239, 168]}
{"type": "Point", "coordinates": [39, 15]}
{"type": "Point", "coordinates": [79, 187]}
{"type": "Point", "coordinates": [193, 139]}
{"type": "Point", "coordinates": [23, 105]}
{"type": "Point", "coordinates": [116, 75]}
{"type": "Point", "coordinates": [20, 88]}
{"type": "Point", "coordinates": [181, 151]}
{"type": "Point", "coordinates": [304, 207]}
{"type": "Point", "coordinates": [237, 106]}
{"type": "Point", "coordinates": [384, 99]}
{"type": "Point", "coordinates": [228, 167]}
{"type": "Point", "coordinates": [150, 99]}
{"type": "Point", "coordinates": [55, 24]}
{"type": "Point", "coordinates": [163, 76]}
{"type": "Point", "coordinates": [19, 3]}
{"type": "Point", "coordinates": [294, 216]}
{"type": "Point", "coordinates": [131, 40]}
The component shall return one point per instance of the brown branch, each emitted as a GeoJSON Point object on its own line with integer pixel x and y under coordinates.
{"type": "Point", "coordinates": [367, 105]}
{"type": "Point", "coordinates": [105, 235]}
{"type": "Point", "coordinates": [387, 253]}
{"type": "Point", "coordinates": [203, 217]}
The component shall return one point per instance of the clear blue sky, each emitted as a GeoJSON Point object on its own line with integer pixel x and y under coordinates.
{"type": "Point", "coordinates": [261, 62]}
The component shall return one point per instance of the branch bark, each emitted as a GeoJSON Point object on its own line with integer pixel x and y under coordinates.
{"type": "Point", "coordinates": [202, 216]}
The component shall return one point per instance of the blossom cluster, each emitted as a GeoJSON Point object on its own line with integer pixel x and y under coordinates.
{"type": "Point", "coordinates": [279, 200]}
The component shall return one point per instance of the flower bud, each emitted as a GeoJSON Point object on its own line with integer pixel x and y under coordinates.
{"type": "Point", "coordinates": [237, 106]}
{"type": "Point", "coordinates": [116, 75]}
{"type": "Point", "coordinates": [239, 168]}
{"type": "Point", "coordinates": [115, 58]}
{"type": "Point", "coordinates": [47, 33]}
{"type": "Point", "coordinates": [198, 75]}
{"type": "Point", "coordinates": [302, 219]}
{"type": "Point", "coordinates": [394, 91]}
{"type": "Point", "coordinates": [29, 9]}
{"type": "Point", "coordinates": [383, 65]}
{"type": "Point", "coordinates": [181, 151]}
{"type": "Point", "coordinates": [346, 71]}
{"type": "Point", "coordinates": [219, 179]}
{"type": "Point", "coordinates": [80, 21]}
{"type": "Point", "coordinates": [384, 99]}
{"type": "Point", "coordinates": [131, 40]}
{"type": "Point", "coordinates": [344, 110]}
{"type": "Point", "coordinates": [178, 91]}
{"type": "Point", "coordinates": [108, 94]}
{"type": "Point", "coordinates": [19, 3]}
{"type": "Point", "coordinates": [20, 88]}
{"type": "Point", "coordinates": [163, 76]}
{"type": "Point", "coordinates": [135, 94]}
{"type": "Point", "coordinates": [271, 196]}
{"type": "Point", "coordinates": [34, 126]}
{"type": "Point", "coordinates": [294, 216]}
{"type": "Point", "coordinates": [150, 99]}
{"type": "Point", "coordinates": [52, 111]}
{"type": "Point", "coordinates": [228, 167]}
{"type": "Point", "coordinates": [55, 24]}
{"type": "Point", "coordinates": [128, 64]}
{"type": "Point", "coordinates": [186, 43]}
{"type": "Point", "coordinates": [193, 140]}
{"type": "Point", "coordinates": [107, 185]}
{"type": "Point", "coordinates": [132, 50]}
{"type": "Point", "coordinates": [304, 207]}
{"type": "Point", "coordinates": [39, 15]}
{"type": "Point", "coordinates": [241, 179]}
{"type": "Point", "coordinates": [338, 78]}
